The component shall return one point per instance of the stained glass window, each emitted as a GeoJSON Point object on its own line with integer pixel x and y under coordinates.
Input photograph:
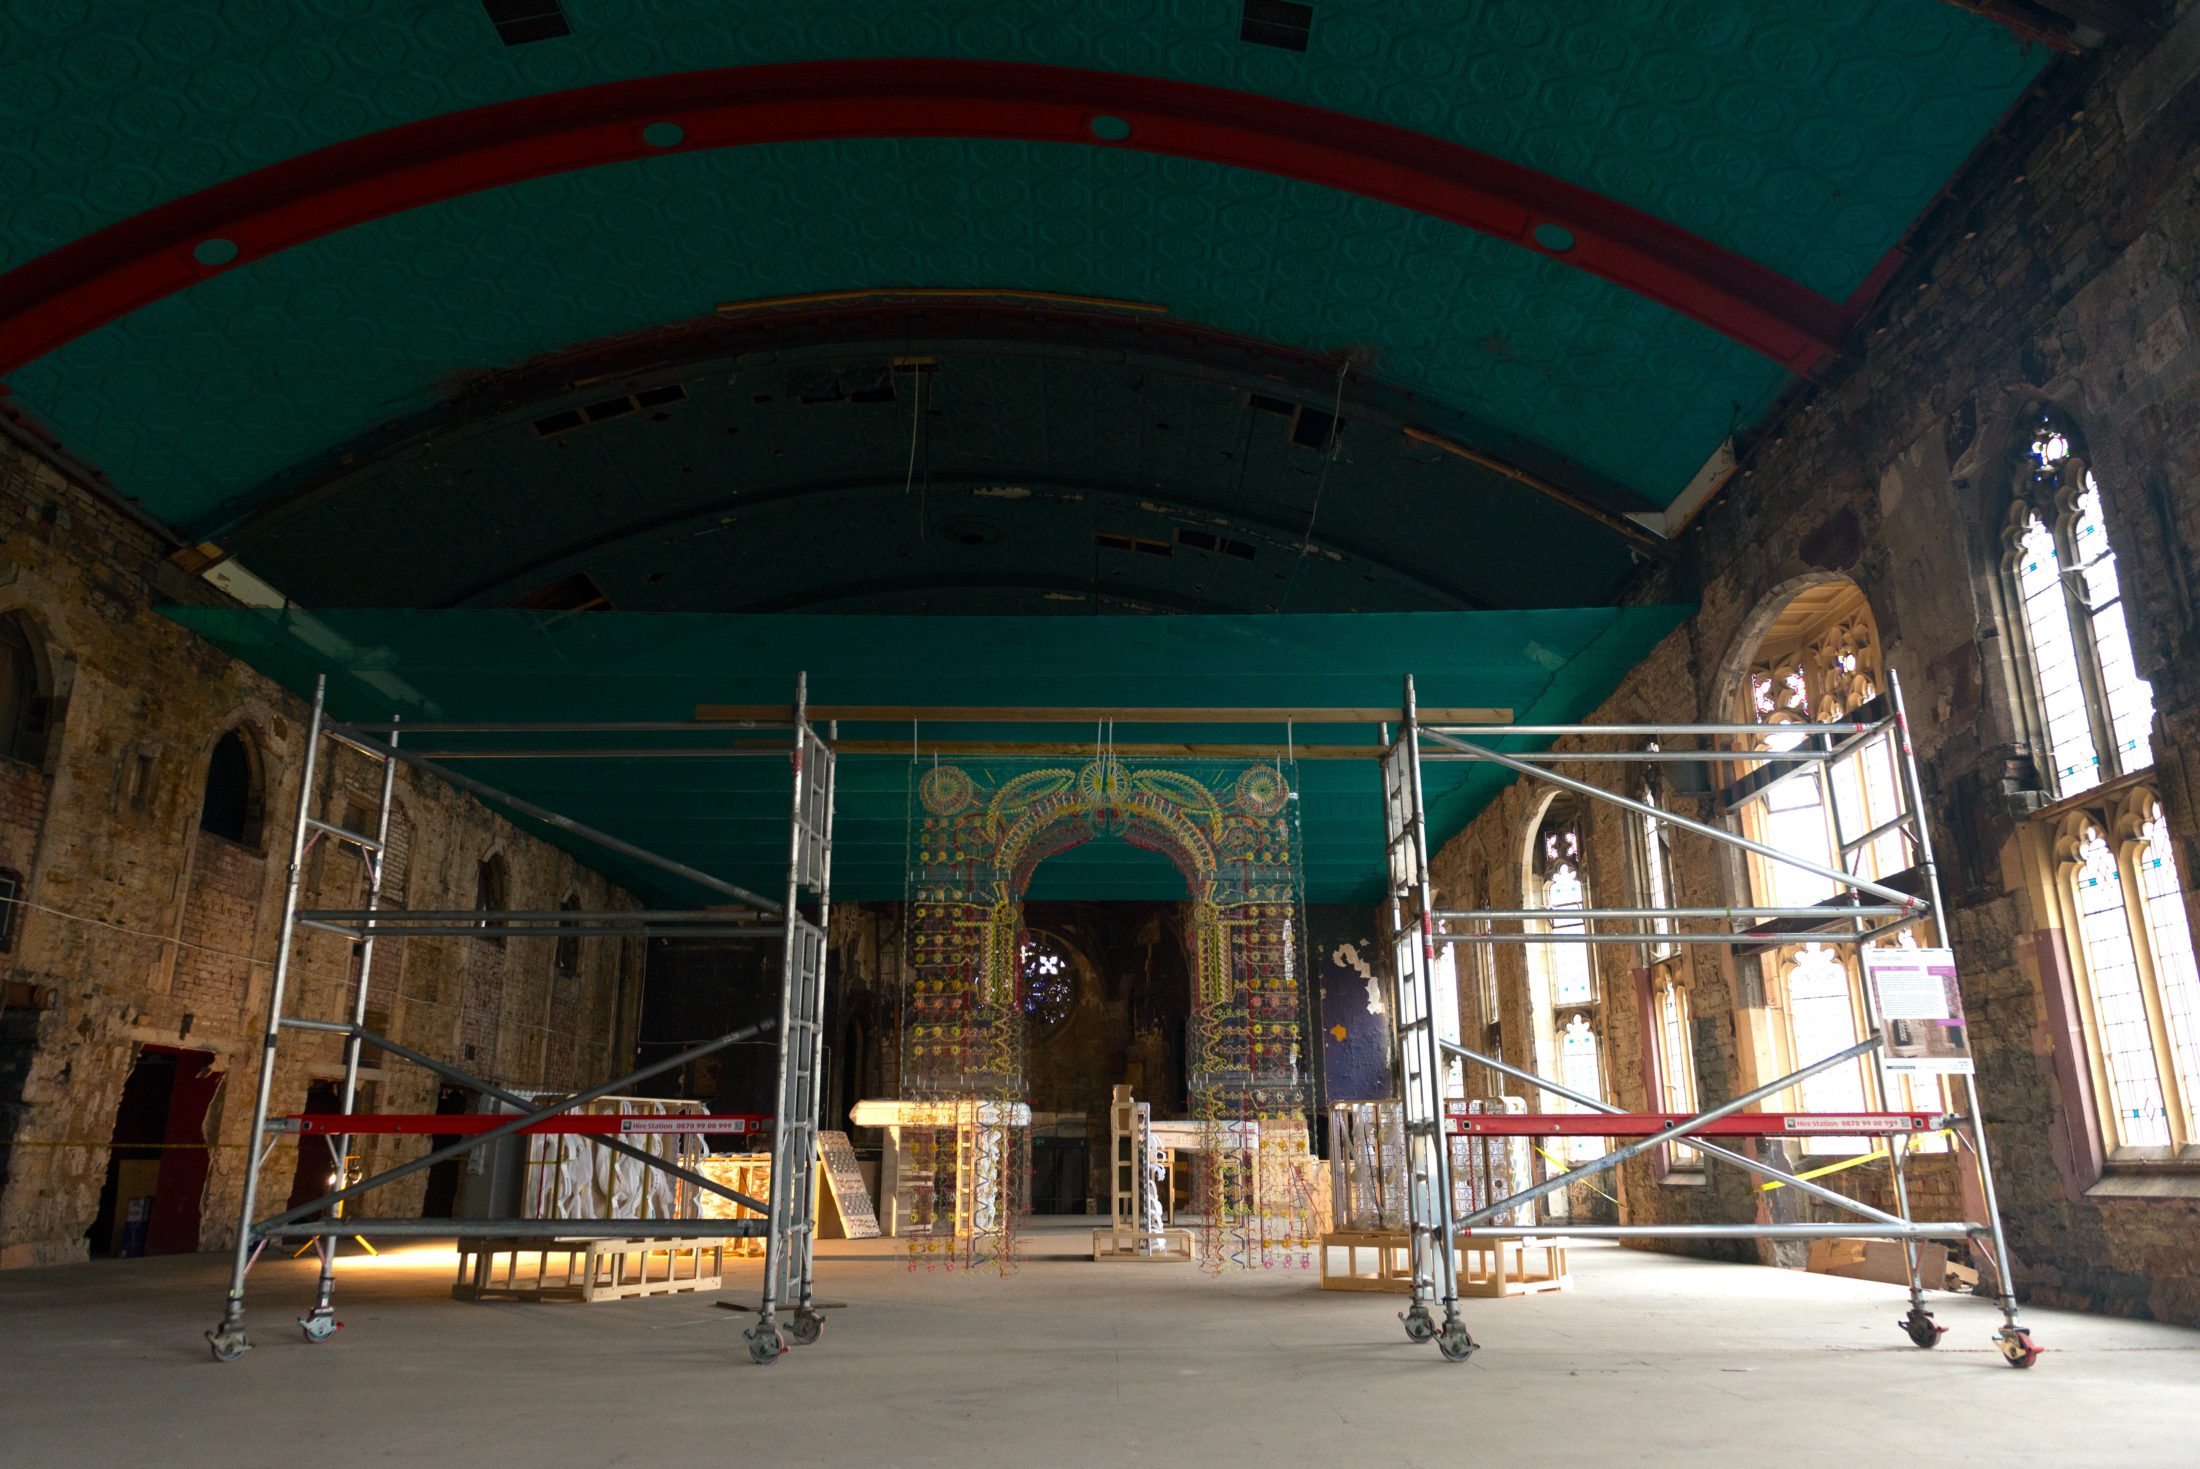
{"type": "Point", "coordinates": [2125, 1035]}
{"type": "Point", "coordinates": [2175, 977]}
{"type": "Point", "coordinates": [1049, 984]}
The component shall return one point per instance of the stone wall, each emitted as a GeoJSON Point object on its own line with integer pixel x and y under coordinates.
{"type": "Point", "coordinates": [142, 930]}
{"type": "Point", "coordinates": [2063, 272]}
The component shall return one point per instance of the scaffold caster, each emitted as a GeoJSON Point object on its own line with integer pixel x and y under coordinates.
{"type": "Point", "coordinates": [1420, 1326]}
{"type": "Point", "coordinates": [765, 1344]}
{"type": "Point", "coordinates": [804, 1328]}
{"type": "Point", "coordinates": [2016, 1346]}
{"type": "Point", "coordinates": [320, 1326]}
{"type": "Point", "coordinates": [228, 1342]}
{"type": "Point", "coordinates": [1454, 1342]}
{"type": "Point", "coordinates": [1921, 1327]}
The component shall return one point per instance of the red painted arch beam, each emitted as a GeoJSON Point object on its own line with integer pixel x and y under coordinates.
{"type": "Point", "coordinates": [95, 280]}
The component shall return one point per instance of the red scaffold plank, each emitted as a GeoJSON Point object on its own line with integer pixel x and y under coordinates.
{"type": "Point", "coordinates": [1642, 1124]}
{"type": "Point", "coordinates": [432, 1123]}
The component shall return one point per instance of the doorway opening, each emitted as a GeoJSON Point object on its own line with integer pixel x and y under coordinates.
{"type": "Point", "coordinates": [155, 1189]}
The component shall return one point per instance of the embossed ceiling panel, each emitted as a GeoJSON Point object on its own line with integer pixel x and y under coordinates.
{"type": "Point", "coordinates": [213, 390]}
{"type": "Point", "coordinates": [1804, 137]}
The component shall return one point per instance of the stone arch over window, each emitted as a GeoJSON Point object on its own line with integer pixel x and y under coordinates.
{"type": "Point", "coordinates": [1818, 659]}
{"type": "Point", "coordinates": [2085, 710]}
{"type": "Point", "coordinates": [27, 701]}
{"type": "Point", "coordinates": [233, 804]}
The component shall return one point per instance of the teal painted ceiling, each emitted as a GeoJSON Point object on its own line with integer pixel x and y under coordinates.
{"type": "Point", "coordinates": [1805, 139]}
{"type": "Point", "coordinates": [729, 817]}
{"type": "Point", "coordinates": [467, 360]}
{"type": "Point", "coordinates": [209, 393]}
{"type": "Point", "coordinates": [1803, 136]}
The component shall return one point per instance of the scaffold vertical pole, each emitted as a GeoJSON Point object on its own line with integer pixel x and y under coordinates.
{"type": "Point", "coordinates": [801, 1032]}
{"type": "Point", "coordinates": [1433, 1242]}
{"type": "Point", "coordinates": [825, 774]}
{"type": "Point", "coordinates": [1918, 1322]}
{"type": "Point", "coordinates": [2014, 1341]}
{"type": "Point", "coordinates": [320, 1323]}
{"type": "Point", "coordinates": [228, 1339]}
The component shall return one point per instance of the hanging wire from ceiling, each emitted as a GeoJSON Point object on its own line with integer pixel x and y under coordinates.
{"type": "Point", "coordinates": [1336, 438]}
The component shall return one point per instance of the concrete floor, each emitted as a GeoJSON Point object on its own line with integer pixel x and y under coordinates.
{"type": "Point", "coordinates": [1651, 1360]}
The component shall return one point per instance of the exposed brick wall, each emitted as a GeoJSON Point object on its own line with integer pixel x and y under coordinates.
{"type": "Point", "coordinates": [164, 934]}
{"type": "Point", "coordinates": [2072, 278]}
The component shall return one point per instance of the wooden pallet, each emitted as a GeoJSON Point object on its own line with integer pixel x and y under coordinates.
{"type": "Point", "coordinates": [1512, 1267]}
{"type": "Point", "coordinates": [592, 1269]}
{"type": "Point", "coordinates": [1373, 1259]}
{"type": "Point", "coordinates": [1382, 1260]}
{"type": "Point", "coordinates": [1165, 1246]}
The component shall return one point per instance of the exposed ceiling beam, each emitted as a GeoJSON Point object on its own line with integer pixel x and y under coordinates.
{"type": "Point", "coordinates": [618, 540]}
{"type": "Point", "coordinates": [955, 327]}
{"type": "Point", "coordinates": [1139, 714]}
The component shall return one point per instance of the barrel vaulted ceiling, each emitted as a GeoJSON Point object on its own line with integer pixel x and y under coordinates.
{"type": "Point", "coordinates": [1114, 305]}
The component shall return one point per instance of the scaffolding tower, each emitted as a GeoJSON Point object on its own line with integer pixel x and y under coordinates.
{"type": "Point", "coordinates": [1861, 911]}
{"type": "Point", "coordinates": [787, 1223]}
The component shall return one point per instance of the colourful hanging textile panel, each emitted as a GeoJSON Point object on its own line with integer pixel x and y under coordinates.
{"type": "Point", "coordinates": [977, 835]}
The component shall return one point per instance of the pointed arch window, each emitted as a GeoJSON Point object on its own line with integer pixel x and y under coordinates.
{"type": "Point", "coordinates": [26, 694]}
{"type": "Point", "coordinates": [2139, 984]}
{"type": "Point", "coordinates": [1564, 967]}
{"type": "Point", "coordinates": [492, 888]}
{"type": "Point", "coordinates": [1821, 662]}
{"type": "Point", "coordinates": [235, 795]}
{"type": "Point", "coordinates": [1676, 1055]}
{"type": "Point", "coordinates": [2091, 713]}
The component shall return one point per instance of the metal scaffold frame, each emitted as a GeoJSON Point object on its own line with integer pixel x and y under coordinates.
{"type": "Point", "coordinates": [1862, 911]}
{"type": "Point", "coordinates": [787, 1225]}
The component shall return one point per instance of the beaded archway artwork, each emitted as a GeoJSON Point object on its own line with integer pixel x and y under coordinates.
{"type": "Point", "coordinates": [977, 836]}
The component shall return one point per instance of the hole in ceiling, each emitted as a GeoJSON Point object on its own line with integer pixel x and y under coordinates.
{"type": "Point", "coordinates": [1115, 541]}
{"type": "Point", "coordinates": [214, 252]}
{"type": "Point", "coordinates": [572, 418]}
{"type": "Point", "coordinates": [1279, 23]}
{"type": "Point", "coordinates": [849, 385]}
{"type": "Point", "coordinates": [1109, 128]}
{"type": "Point", "coordinates": [1555, 238]}
{"type": "Point", "coordinates": [521, 21]}
{"type": "Point", "coordinates": [664, 135]}
{"type": "Point", "coordinates": [576, 593]}
{"type": "Point", "coordinates": [1313, 429]}
{"type": "Point", "coordinates": [1267, 404]}
{"type": "Point", "coordinates": [1201, 540]}
{"type": "Point", "coordinates": [968, 530]}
